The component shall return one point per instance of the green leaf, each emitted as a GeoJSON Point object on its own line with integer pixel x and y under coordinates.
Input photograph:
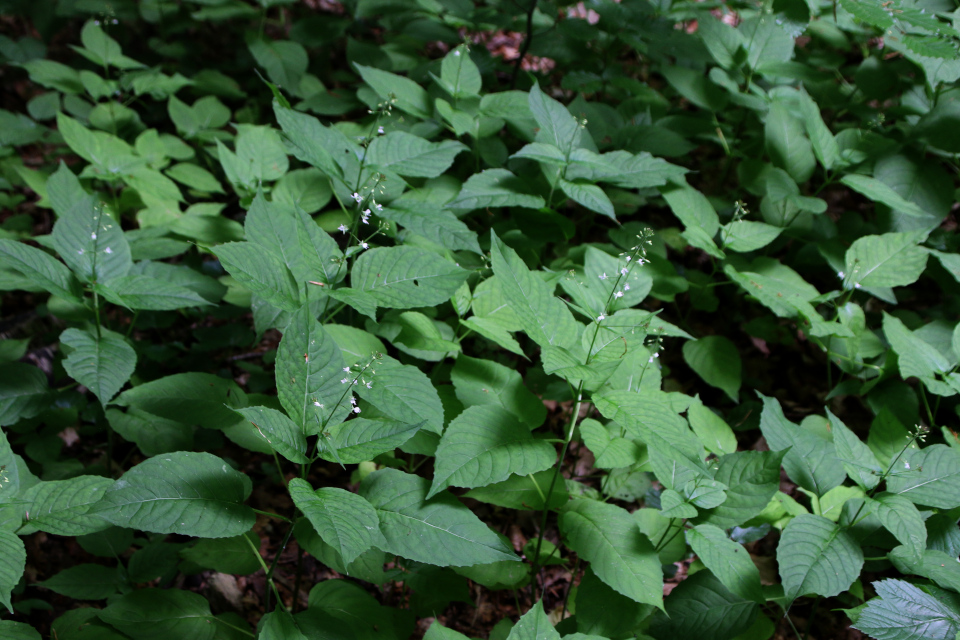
{"type": "Point", "coordinates": [344, 520]}
{"type": "Point", "coordinates": [557, 126]}
{"type": "Point", "coordinates": [543, 317]}
{"type": "Point", "coordinates": [701, 606]}
{"type": "Point", "coordinates": [825, 146]}
{"type": "Point", "coordinates": [942, 568]}
{"type": "Point", "coordinates": [786, 144]}
{"type": "Point", "coordinates": [404, 393]}
{"type": "Point", "coordinates": [744, 236]}
{"type": "Point", "coordinates": [23, 392]}
{"type": "Point", "coordinates": [728, 561]}
{"type": "Point", "coordinates": [403, 92]}
{"type": "Point", "coordinates": [150, 294]}
{"type": "Point", "coordinates": [440, 531]}
{"type": "Point", "coordinates": [479, 382]}
{"type": "Point", "coordinates": [13, 561]}
{"type": "Point", "coordinates": [84, 582]}
{"type": "Point", "coordinates": [858, 460]}
{"type": "Point", "coordinates": [901, 518]}
{"type": "Point", "coordinates": [280, 625]}
{"type": "Point", "coordinates": [888, 260]}
{"type": "Point", "coordinates": [607, 536]}
{"type": "Point", "coordinates": [406, 277]}
{"type": "Point", "coordinates": [622, 169]}
{"type": "Point", "coordinates": [205, 114]}
{"type": "Point", "coordinates": [101, 49]}
{"type": "Point", "coordinates": [281, 433]}
{"type": "Point", "coordinates": [160, 614]}
{"type": "Point", "coordinates": [715, 434]}
{"type": "Point", "coordinates": [226, 555]}
{"type": "Point", "coordinates": [865, 11]}
{"type": "Point", "coordinates": [309, 373]}
{"type": "Point", "coordinates": [285, 61]}
{"type": "Point", "coordinates": [692, 208]}
{"type": "Point", "coordinates": [261, 272]}
{"type": "Point", "coordinates": [310, 141]}
{"type": "Point", "coordinates": [18, 631]}
{"type": "Point", "coordinates": [589, 195]}
{"type": "Point", "coordinates": [495, 188]}
{"type": "Point", "coordinates": [362, 439]}
{"type": "Point", "coordinates": [66, 507]}
{"type": "Point", "coordinates": [811, 461]}
{"type": "Point", "coordinates": [717, 361]}
{"type": "Point", "coordinates": [752, 479]}
{"type": "Point", "coordinates": [410, 155]}
{"type": "Point", "coordinates": [54, 75]}
{"type": "Point", "coordinates": [903, 611]}
{"type": "Point", "coordinates": [816, 556]}
{"type": "Point", "coordinates": [40, 268]}
{"type": "Point", "coordinates": [915, 356]}
{"type": "Point", "coordinates": [880, 192]}
{"type": "Point", "coordinates": [673, 505]}
{"type": "Point", "coordinates": [610, 451]}
{"type": "Point", "coordinates": [189, 398]}
{"type": "Point", "coordinates": [523, 492]}
{"type": "Point", "coordinates": [459, 75]}
{"type": "Point", "coordinates": [439, 632]}
{"type": "Point", "coordinates": [433, 223]}
{"type": "Point", "coordinates": [103, 363]}
{"type": "Point", "coordinates": [195, 177]}
{"type": "Point", "coordinates": [534, 625]}
{"type": "Point", "coordinates": [194, 494]}
{"type": "Point", "coordinates": [91, 242]}
{"type": "Point", "coordinates": [930, 477]}
{"type": "Point", "coordinates": [486, 444]}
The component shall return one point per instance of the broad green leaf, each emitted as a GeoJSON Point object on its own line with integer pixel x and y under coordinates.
{"type": "Point", "coordinates": [717, 361]}
{"type": "Point", "coordinates": [18, 630]}
{"type": "Point", "coordinates": [534, 625]}
{"type": "Point", "coordinates": [440, 531]}
{"type": "Point", "coordinates": [281, 433]}
{"type": "Point", "coordinates": [190, 398]}
{"type": "Point", "coordinates": [362, 439]}
{"type": "Point", "coordinates": [103, 363]}
{"type": "Point", "coordinates": [942, 568]}
{"type": "Point", "coordinates": [406, 277]}
{"type": "Point", "coordinates": [523, 492]}
{"type": "Point", "coordinates": [205, 114]}
{"type": "Point", "coordinates": [622, 169]}
{"type": "Point", "coordinates": [285, 61]}
{"type": "Point", "coordinates": [865, 11]}
{"type": "Point", "coordinates": [824, 144]}
{"type": "Point", "coordinates": [40, 268]}
{"type": "Point", "coordinates": [752, 479]}
{"type": "Point", "coordinates": [902, 611]}
{"type": "Point", "coordinates": [433, 223]}
{"type": "Point", "coordinates": [744, 236]}
{"type": "Point", "coordinates": [543, 317]}
{"type": "Point", "coordinates": [310, 140]}
{"type": "Point", "coordinates": [439, 632]}
{"type": "Point", "coordinates": [607, 536]}
{"type": "Point", "coordinates": [194, 494]}
{"type": "Point", "coordinates": [280, 625]}
{"type": "Point", "coordinates": [811, 461]}
{"type": "Point", "coordinates": [692, 208]}
{"type": "Point", "coordinates": [701, 606]}
{"type": "Point", "coordinates": [487, 444]}
{"type": "Point", "coordinates": [54, 75]}
{"type": "Point", "coordinates": [816, 556]}
{"type": "Point", "coordinates": [557, 126]}
{"type": "Point", "coordinates": [91, 242]}
{"type": "Point", "coordinates": [161, 614]}
{"type": "Point", "coordinates": [695, 87]}
{"type": "Point", "coordinates": [495, 188]}
{"type": "Point", "coordinates": [649, 417]}
{"type": "Point", "coordinates": [604, 613]}
{"type": "Point", "coordinates": [150, 294]}
{"type": "Point", "coordinates": [84, 582]}
{"type": "Point", "coordinates": [788, 148]}
{"type": "Point", "coordinates": [542, 152]}
{"type": "Point", "coordinates": [712, 430]}
{"type": "Point", "coordinates": [261, 272]}
{"type": "Point", "coordinates": [195, 177]}
{"type": "Point", "coordinates": [23, 392]}
{"type": "Point", "coordinates": [915, 356]}
{"type": "Point", "coordinates": [310, 374]}
{"type": "Point", "coordinates": [901, 518]}
{"type": "Point", "coordinates": [480, 382]}
{"type": "Point", "coordinates": [929, 476]}
{"type": "Point", "coordinates": [673, 505]}
{"type": "Point", "coordinates": [404, 393]}
{"type": "Point", "coordinates": [880, 192]}
{"type": "Point", "coordinates": [589, 195]}
{"type": "Point", "coordinates": [352, 609]}
{"type": "Point", "coordinates": [725, 43]}
{"type": "Point", "coordinates": [888, 260]}
{"type": "Point", "coordinates": [9, 470]}
{"type": "Point", "coordinates": [13, 561]}
{"type": "Point", "coordinates": [413, 156]}
{"type": "Point", "coordinates": [610, 450]}
{"type": "Point", "coordinates": [101, 49]}
{"type": "Point", "coordinates": [66, 507]}
{"type": "Point", "coordinates": [344, 520]}
{"type": "Point", "coordinates": [768, 41]}
{"type": "Point", "coordinates": [459, 75]}
{"type": "Point", "coordinates": [226, 555]}
{"type": "Point", "coordinates": [858, 460]}
{"type": "Point", "coordinates": [403, 92]}
{"type": "Point", "coordinates": [728, 561]}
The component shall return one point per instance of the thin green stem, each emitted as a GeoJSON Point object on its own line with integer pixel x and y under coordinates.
{"type": "Point", "coordinates": [812, 618]}
{"type": "Point", "coordinates": [790, 622]}
{"type": "Point", "coordinates": [926, 405]}
{"type": "Point", "coordinates": [272, 515]}
{"type": "Point", "coordinates": [245, 632]}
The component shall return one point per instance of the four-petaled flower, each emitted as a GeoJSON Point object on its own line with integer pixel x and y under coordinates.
{"type": "Point", "coordinates": [357, 198]}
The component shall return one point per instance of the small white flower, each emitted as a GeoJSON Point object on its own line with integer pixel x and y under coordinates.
{"type": "Point", "coordinates": [346, 369]}
{"type": "Point", "coordinates": [629, 258]}
{"type": "Point", "coordinates": [603, 276]}
{"type": "Point", "coordinates": [841, 275]}
{"type": "Point", "coordinates": [343, 228]}
{"type": "Point", "coordinates": [344, 381]}
{"type": "Point", "coordinates": [456, 53]}
{"type": "Point", "coordinates": [656, 355]}
{"type": "Point", "coordinates": [353, 400]}
{"type": "Point", "coordinates": [93, 236]}
{"type": "Point", "coordinates": [623, 271]}
{"type": "Point", "coordinates": [356, 409]}
{"type": "Point", "coordinates": [650, 360]}
{"type": "Point", "coordinates": [364, 245]}
{"type": "Point", "coordinates": [317, 404]}
{"type": "Point", "coordinates": [369, 385]}
{"type": "Point", "coordinates": [80, 251]}
{"type": "Point", "coordinates": [108, 250]}
{"type": "Point", "coordinates": [906, 465]}
{"type": "Point", "coordinates": [856, 286]}
{"type": "Point", "coordinates": [626, 287]}
{"type": "Point", "coordinates": [380, 130]}
{"type": "Point", "coordinates": [601, 318]}
{"type": "Point", "coordinates": [378, 207]}
{"type": "Point", "coordinates": [618, 294]}
{"type": "Point", "coordinates": [357, 198]}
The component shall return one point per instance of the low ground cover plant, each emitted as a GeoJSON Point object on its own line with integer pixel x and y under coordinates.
{"type": "Point", "coordinates": [513, 319]}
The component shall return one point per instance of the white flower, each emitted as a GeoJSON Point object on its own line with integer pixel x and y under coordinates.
{"type": "Point", "coordinates": [317, 404]}
{"type": "Point", "coordinates": [626, 287]}
{"type": "Point", "coordinates": [369, 385]}
{"type": "Point", "coordinates": [353, 400]}
{"type": "Point", "coordinates": [80, 251]}
{"type": "Point", "coordinates": [378, 207]}
{"type": "Point", "coordinates": [906, 465]}
{"type": "Point", "coordinates": [603, 276]}
{"type": "Point", "coordinates": [629, 258]}
{"type": "Point", "coordinates": [365, 216]}
{"type": "Point", "coordinates": [364, 245]}
{"type": "Point", "coordinates": [841, 275]}
{"type": "Point", "coordinates": [856, 286]}
{"type": "Point", "coordinates": [108, 250]}
{"type": "Point", "coordinates": [343, 228]}
{"type": "Point", "coordinates": [357, 198]}
{"type": "Point", "coordinates": [380, 130]}
{"type": "Point", "coordinates": [344, 381]}
{"type": "Point", "coordinates": [618, 294]}
{"type": "Point", "coordinates": [346, 369]}
{"type": "Point", "coordinates": [601, 318]}
{"type": "Point", "coordinates": [356, 381]}
{"type": "Point", "coordinates": [623, 271]}
{"type": "Point", "coordinates": [93, 236]}
{"type": "Point", "coordinates": [356, 409]}
{"type": "Point", "coordinates": [456, 53]}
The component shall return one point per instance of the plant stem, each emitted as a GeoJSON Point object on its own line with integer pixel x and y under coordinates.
{"type": "Point", "coordinates": [527, 41]}
{"type": "Point", "coordinates": [263, 565]}
{"type": "Point", "coordinates": [812, 618]}
{"type": "Point", "coordinates": [790, 622]}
